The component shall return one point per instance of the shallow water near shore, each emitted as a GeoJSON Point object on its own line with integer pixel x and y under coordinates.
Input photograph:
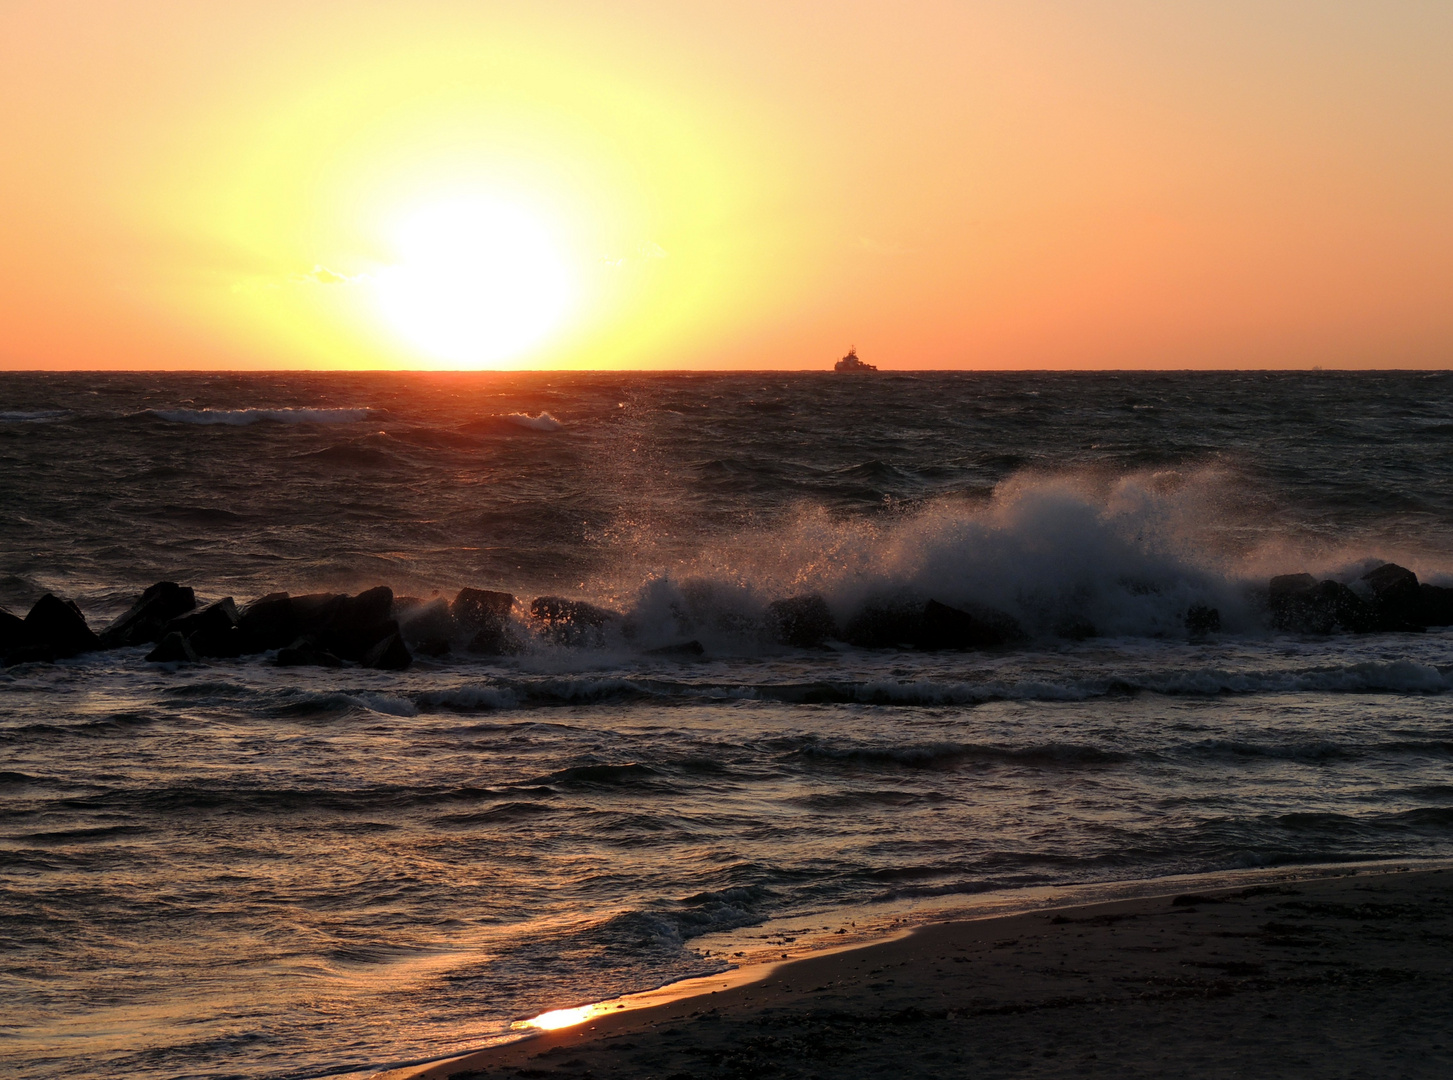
{"type": "Point", "coordinates": [235, 869]}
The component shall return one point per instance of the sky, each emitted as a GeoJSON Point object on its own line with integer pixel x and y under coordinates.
{"type": "Point", "coordinates": [656, 184]}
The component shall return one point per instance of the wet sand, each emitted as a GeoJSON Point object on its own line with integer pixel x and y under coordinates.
{"type": "Point", "coordinates": [1348, 976]}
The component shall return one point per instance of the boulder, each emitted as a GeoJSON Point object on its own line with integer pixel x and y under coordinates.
{"type": "Point", "coordinates": [944, 627]}
{"type": "Point", "coordinates": [570, 622]}
{"type": "Point", "coordinates": [306, 652]}
{"type": "Point", "coordinates": [53, 630]}
{"type": "Point", "coordinates": [881, 624]}
{"type": "Point", "coordinates": [1202, 620]}
{"type": "Point", "coordinates": [359, 623]}
{"type": "Point", "coordinates": [1396, 599]}
{"type": "Point", "coordinates": [316, 611]}
{"type": "Point", "coordinates": [485, 616]}
{"type": "Point", "coordinates": [1301, 604]}
{"type": "Point", "coordinates": [1076, 628]}
{"type": "Point", "coordinates": [146, 620]}
{"type": "Point", "coordinates": [390, 654]}
{"type": "Point", "coordinates": [11, 631]}
{"type": "Point", "coordinates": [269, 622]}
{"type": "Point", "coordinates": [1436, 608]}
{"type": "Point", "coordinates": [211, 631]}
{"type": "Point", "coordinates": [173, 649]}
{"type": "Point", "coordinates": [803, 622]}
{"type": "Point", "coordinates": [476, 609]}
{"type": "Point", "coordinates": [428, 627]}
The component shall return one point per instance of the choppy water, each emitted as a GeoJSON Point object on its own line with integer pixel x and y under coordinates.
{"type": "Point", "coordinates": [236, 869]}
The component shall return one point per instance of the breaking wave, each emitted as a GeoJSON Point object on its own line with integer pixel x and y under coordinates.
{"type": "Point", "coordinates": [543, 422]}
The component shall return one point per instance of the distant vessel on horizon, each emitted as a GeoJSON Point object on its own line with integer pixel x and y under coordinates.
{"type": "Point", "coordinates": [851, 363]}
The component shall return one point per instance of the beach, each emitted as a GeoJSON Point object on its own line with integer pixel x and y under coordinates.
{"type": "Point", "coordinates": [1342, 976]}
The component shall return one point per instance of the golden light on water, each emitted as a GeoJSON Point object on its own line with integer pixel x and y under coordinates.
{"type": "Point", "coordinates": [478, 281]}
{"type": "Point", "coordinates": [563, 1018]}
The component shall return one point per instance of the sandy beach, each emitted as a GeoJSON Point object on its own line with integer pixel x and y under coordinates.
{"type": "Point", "coordinates": [1348, 976]}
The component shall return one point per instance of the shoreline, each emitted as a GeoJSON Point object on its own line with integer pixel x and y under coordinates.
{"type": "Point", "coordinates": [813, 985]}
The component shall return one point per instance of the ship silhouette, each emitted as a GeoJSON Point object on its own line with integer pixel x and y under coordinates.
{"type": "Point", "coordinates": [850, 363]}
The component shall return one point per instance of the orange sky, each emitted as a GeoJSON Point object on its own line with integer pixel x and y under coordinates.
{"type": "Point", "coordinates": [946, 183]}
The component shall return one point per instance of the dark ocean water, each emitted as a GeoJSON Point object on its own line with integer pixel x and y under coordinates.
{"type": "Point", "coordinates": [237, 869]}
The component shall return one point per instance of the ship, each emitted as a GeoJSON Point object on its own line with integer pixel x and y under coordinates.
{"type": "Point", "coordinates": [851, 364]}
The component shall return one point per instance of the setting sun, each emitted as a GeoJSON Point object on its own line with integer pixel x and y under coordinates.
{"type": "Point", "coordinates": [477, 282]}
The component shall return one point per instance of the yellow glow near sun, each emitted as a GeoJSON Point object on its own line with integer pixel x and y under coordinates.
{"type": "Point", "coordinates": [478, 282]}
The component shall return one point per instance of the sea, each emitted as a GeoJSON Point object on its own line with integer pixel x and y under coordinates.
{"type": "Point", "coordinates": [238, 869]}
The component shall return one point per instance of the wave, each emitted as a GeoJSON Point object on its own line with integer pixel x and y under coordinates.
{"type": "Point", "coordinates": [543, 422]}
{"type": "Point", "coordinates": [34, 416]}
{"type": "Point", "coordinates": [245, 417]}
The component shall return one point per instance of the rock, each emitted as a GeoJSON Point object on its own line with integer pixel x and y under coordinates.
{"type": "Point", "coordinates": [316, 611]}
{"type": "Point", "coordinates": [945, 627]}
{"type": "Point", "coordinates": [570, 622]}
{"type": "Point", "coordinates": [11, 631]}
{"type": "Point", "coordinates": [360, 623]}
{"type": "Point", "coordinates": [428, 627]}
{"type": "Point", "coordinates": [53, 630]}
{"type": "Point", "coordinates": [306, 652]}
{"type": "Point", "coordinates": [476, 609]}
{"type": "Point", "coordinates": [173, 649]}
{"type": "Point", "coordinates": [485, 616]}
{"type": "Point", "coordinates": [885, 625]}
{"type": "Point", "coordinates": [212, 631]}
{"type": "Point", "coordinates": [1202, 620]}
{"type": "Point", "coordinates": [683, 649]}
{"type": "Point", "coordinates": [390, 654]}
{"type": "Point", "coordinates": [1437, 605]}
{"type": "Point", "coordinates": [1397, 601]}
{"type": "Point", "coordinates": [368, 608]}
{"type": "Point", "coordinates": [802, 622]}
{"type": "Point", "coordinates": [1301, 604]}
{"type": "Point", "coordinates": [269, 622]}
{"type": "Point", "coordinates": [147, 618]}
{"type": "Point", "coordinates": [1076, 628]}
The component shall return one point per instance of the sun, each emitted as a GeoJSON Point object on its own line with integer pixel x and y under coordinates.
{"type": "Point", "coordinates": [477, 282]}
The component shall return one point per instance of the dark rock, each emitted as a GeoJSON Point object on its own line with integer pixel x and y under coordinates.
{"type": "Point", "coordinates": [1437, 605]}
{"type": "Point", "coordinates": [173, 649]}
{"type": "Point", "coordinates": [212, 631]}
{"type": "Point", "coordinates": [315, 612]}
{"type": "Point", "coordinates": [54, 629]}
{"type": "Point", "coordinates": [803, 622]}
{"type": "Point", "coordinates": [1397, 601]}
{"type": "Point", "coordinates": [485, 616]}
{"type": "Point", "coordinates": [570, 622]}
{"type": "Point", "coordinates": [1301, 604]}
{"type": "Point", "coordinates": [476, 609]}
{"type": "Point", "coordinates": [360, 623]}
{"type": "Point", "coordinates": [368, 608]}
{"type": "Point", "coordinates": [390, 654]}
{"type": "Point", "coordinates": [12, 631]}
{"type": "Point", "coordinates": [885, 625]}
{"type": "Point", "coordinates": [268, 623]}
{"type": "Point", "coordinates": [945, 627]}
{"type": "Point", "coordinates": [305, 652]}
{"type": "Point", "coordinates": [1202, 620]}
{"type": "Point", "coordinates": [428, 622]}
{"type": "Point", "coordinates": [146, 620]}
{"type": "Point", "coordinates": [685, 648]}
{"type": "Point", "coordinates": [1076, 629]}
